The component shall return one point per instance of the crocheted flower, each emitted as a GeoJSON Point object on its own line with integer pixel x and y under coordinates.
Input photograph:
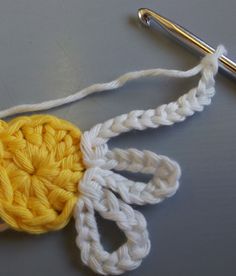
{"type": "Point", "coordinates": [40, 167]}
{"type": "Point", "coordinates": [47, 172]}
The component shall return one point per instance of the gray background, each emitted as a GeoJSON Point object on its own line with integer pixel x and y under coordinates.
{"type": "Point", "coordinates": [50, 49]}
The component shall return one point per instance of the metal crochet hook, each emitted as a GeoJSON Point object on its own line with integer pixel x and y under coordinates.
{"type": "Point", "coordinates": [184, 36]}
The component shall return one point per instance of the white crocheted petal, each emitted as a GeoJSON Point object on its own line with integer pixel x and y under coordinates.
{"type": "Point", "coordinates": [132, 223]}
{"type": "Point", "coordinates": [164, 183]}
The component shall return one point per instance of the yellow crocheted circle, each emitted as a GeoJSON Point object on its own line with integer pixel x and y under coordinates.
{"type": "Point", "coordinates": [40, 167]}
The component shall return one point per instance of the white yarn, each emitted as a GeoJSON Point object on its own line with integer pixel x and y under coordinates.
{"type": "Point", "coordinates": [99, 184]}
{"type": "Point", "coordinates": [99, 87]}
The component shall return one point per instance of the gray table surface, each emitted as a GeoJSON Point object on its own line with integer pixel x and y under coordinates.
{"type": "Point", "coordinates": [50, 49]}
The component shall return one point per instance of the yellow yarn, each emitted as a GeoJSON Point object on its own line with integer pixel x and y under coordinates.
{"type": "Point", "coordinates": [40, 167]}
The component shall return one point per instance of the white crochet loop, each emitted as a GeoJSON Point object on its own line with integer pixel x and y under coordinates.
{"type": "Point", "coordinates": [95, 197]}
{"type": "Point", "coordinates": [99, 183]}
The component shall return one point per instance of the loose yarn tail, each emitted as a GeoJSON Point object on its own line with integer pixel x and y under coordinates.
{"type": "Point", "coordinates": [100, 87]}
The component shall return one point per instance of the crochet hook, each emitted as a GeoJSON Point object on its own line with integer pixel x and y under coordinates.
{"type": "Point", "coordinates": [186, 37]}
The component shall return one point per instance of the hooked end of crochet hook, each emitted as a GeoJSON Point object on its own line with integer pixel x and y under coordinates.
{"type": "Point", "coordinates": [143, 17]}
{"type": "Point", "coordinates": [146, 16]}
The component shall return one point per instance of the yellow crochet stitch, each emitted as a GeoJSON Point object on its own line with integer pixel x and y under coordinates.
{"type": "Point", "coordinates": [40, 167]}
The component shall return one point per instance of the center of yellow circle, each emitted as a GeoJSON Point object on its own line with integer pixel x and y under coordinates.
{"type": "Point", "coordinates": [40, 168]}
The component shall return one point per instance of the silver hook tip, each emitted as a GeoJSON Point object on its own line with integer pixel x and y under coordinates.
{"type": "Point", "coordinates": [143, 17]}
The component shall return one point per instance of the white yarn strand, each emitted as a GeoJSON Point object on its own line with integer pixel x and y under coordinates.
{"type": "Point", "coordinates": [99, 87]}
{"type": "Point", "coordinates": [99, 185]}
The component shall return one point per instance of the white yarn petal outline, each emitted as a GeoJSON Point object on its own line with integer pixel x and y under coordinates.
{"type": "Point", "coordinates": [97, 198]}
{"type": "Point", "coordinates": [163, 184]}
